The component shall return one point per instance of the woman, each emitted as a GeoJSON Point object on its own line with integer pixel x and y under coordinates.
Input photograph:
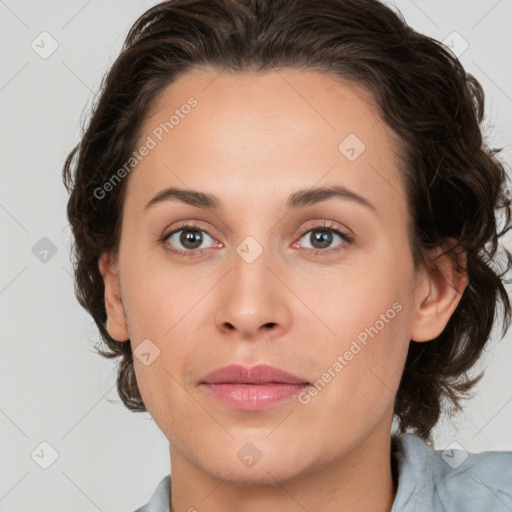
{"type": "Point", "coordinates": [286, 224]}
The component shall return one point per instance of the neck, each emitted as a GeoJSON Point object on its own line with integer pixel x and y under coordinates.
{"type": "Point", "coordinates": [359, 480]}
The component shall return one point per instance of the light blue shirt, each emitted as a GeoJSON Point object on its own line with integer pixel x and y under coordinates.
{"type": "Point", "coordinates": [428, 481]}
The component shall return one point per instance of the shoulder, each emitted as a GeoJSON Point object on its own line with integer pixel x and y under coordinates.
{"type": "Point", "coordinates": [475, 480]}
{"type": "Point", "coordinates": [159, 501]}
{"type": "Point", "coordinates": [452, 479]}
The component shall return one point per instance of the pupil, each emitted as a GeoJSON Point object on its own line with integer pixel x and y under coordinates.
{"type": "Point", "coordinates": [192, 237]}
{"type": "Point", "coordinates": [323, 237]}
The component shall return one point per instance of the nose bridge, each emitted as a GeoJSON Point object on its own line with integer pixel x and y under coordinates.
{"type": "Point", "coordinates": [251, 275]}
{"type": "Point", "coordinates": [253, 253]}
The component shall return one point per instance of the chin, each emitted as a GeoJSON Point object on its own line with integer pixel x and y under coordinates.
{"type": "Point", "coordinates": [252, 464]}
{"type": "Point", "coordinates": [261, 474]}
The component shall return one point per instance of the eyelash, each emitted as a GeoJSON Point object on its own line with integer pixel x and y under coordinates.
{"type": "Point", "coordinates": [191, 226]}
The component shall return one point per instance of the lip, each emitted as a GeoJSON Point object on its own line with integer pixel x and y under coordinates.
{"type": "Point", "coordinates": [250, 389]}
{"type": "Point", "coordinates": [259, 374]}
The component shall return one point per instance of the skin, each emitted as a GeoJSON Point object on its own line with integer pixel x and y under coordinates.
{"type": "Point", "coordinates": [253, 140]}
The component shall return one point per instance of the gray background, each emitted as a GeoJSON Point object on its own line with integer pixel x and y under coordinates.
{"type": "Point", "coordinates": [54, 388]}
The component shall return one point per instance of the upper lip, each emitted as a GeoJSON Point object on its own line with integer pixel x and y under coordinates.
{"type": "Point", "coordinates": [259, 374]}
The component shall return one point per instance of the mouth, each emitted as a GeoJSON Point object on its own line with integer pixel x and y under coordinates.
{"type": "Point", "coordinates": [255, 388]}
{"type": "Point", "coordinates": [259, 374]}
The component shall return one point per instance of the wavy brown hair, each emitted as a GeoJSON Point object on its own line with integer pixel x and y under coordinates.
{"type": "Point", "coordinates": [455, 184]}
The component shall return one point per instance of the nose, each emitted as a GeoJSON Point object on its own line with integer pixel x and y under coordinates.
{"type": "Point", "coordinates": [253, 301]}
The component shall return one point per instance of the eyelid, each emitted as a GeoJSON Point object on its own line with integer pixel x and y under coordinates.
{"type": "Point", "coordinates": [328, 225]}
{"type": "Point", "coordinates": [187, 225]}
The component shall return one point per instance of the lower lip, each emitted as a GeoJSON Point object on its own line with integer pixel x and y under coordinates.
{"type": "Point", "coordinates": [252, 397]}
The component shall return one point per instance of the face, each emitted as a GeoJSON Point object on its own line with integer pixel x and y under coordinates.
{"type": "Point", "coordinates": [321, 285]}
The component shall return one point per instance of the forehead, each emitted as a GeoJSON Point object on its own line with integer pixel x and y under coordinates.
{"type": "Point", "coordinates": [270, 132]}
{"type": "Point", "coordinates": [301, 100]}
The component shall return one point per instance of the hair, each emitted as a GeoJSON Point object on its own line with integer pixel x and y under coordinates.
{"type": "Point", "coordinates": [455, 185]}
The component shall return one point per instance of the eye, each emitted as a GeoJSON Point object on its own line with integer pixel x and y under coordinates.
{"type": "Point", "coordinates": [190, 237]}
{"type": "Point", "coordinates": [322, 236]}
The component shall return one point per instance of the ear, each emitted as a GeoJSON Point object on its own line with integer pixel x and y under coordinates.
{"type": "Point", "coordinates": [437, 294]}
{"type": "Point", "coordinates": [116, 321]}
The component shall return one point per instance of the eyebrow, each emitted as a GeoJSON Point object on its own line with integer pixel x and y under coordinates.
{"type": "Point", "coordinates": [299, 199]}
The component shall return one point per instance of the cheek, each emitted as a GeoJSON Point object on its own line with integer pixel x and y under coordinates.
{"type": "Point", "coordinates": [365, 319]}
{"type": "Point", "coordinates": [361, 375]}
{"type": "Point", "coordinates": [159, 295]}
{"type": "Point", "coordinates": [349, 300]}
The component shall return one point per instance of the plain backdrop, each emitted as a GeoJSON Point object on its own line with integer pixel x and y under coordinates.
{"type": "Point", "coordinates": [58, 402]}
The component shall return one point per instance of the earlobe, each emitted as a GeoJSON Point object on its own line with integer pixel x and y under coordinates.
{"type": "Point", "coordinates": [116, 321]}
{"type": "Point", "coordinates": [437, 295]}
